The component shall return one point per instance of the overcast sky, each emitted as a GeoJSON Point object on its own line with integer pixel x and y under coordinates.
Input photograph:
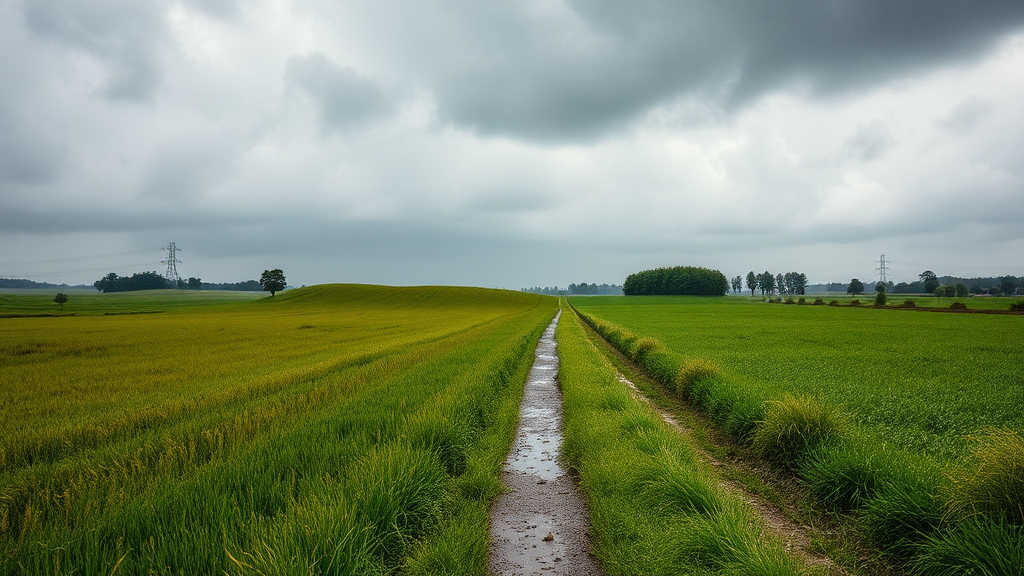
{"type": "Point", "coordinates": [510, 143]}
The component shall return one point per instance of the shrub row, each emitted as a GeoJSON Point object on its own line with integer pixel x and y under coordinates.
{"type": "Point", "coordinates": [968, 520]}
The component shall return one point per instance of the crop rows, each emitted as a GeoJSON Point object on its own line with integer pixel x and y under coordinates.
{"type": "Point", "coordinates": [328, 430]}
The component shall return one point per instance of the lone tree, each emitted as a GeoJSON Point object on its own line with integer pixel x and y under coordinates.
{"type": "Point", "coordinates": [751, 282]}
{"type": "Point", "coordinates": [61, 298]}
{"type": "Point", "coordinates": [931, 282]}
{"type": "Point", "coordinates": [856, 287]}
{"type": "Point", "coordinates": [881, 297]}
{"type": "Point", "coordinates": [272, 281]}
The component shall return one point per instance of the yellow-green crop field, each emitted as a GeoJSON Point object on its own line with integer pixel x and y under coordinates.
{"type": "Point", "coordinates": [333, 429]}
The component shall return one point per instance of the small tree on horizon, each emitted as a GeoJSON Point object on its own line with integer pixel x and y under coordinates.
{"type": "Point", "coordinates": [273, 281]}
{"type": "Point", "coordinates": [856, 287]}
{"type": "Point", "coordinates": [61, 298]}
{"type": "Point", "coordinates": [880, 294]}
{"type": "Point", "coordinates": [751, 282]}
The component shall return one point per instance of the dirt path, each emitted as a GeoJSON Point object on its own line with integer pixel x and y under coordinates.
{"type": "Point", "coordinates": [540, 525]}
{"type": "Point", "coordinates": [793, 535]}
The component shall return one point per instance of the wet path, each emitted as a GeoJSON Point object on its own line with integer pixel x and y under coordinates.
{"type": "Point", "coordinates": [540, 525]}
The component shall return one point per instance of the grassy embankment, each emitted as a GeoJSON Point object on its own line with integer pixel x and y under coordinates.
{"type": "Point", "coordinates": [655, 507]}
{"type": "Point", "coordinates": [909, 422]}
{"type": "Point", "coordinates": [333, 429]}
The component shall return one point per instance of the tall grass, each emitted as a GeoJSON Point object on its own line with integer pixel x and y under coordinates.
{"type": "Point", "coordinates": [655, 508]}
{"type": "Point", "coordinates": [362, 429]}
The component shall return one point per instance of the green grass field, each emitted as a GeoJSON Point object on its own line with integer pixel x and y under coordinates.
{"type": "Point", "coordinates": [334, 429]}
{"type": "Point", "coordinates": [919, 381]}
{"type": "Point", "coordinates": [909, 423]}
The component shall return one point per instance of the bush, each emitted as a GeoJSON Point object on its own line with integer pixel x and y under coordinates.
{"type": "Point", "coordinates": [819, 302]}
{"type": "Point", "coordinates": [908, 304]}
{"type": "Point", "coordinates": [793, 427]}
{"type": "Point", "coordinates": [991, 483]}
{"type": "Point", "coordinates": [1018, 305]}
{"type": "Point", "coordinates": [855, 303]}
{"type": "Point", "coordinates": [881, 298]}
{"type": "Point", "coordinates": [790, 301]}
{"type": "Point", "coordinates": [958, 306]}
{"type": "Point", "coordinates": [834, 303]}
{"type": "Point", "coordinates": [801, 301]}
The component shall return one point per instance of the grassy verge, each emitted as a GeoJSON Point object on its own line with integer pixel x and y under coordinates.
{"type": "Point", "coordinates": [910, 508]}
{"type": "Point", "coordinates": [655, 507]}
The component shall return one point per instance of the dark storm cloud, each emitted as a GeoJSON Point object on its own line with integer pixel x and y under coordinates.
{"type": "Point", "coordinates": [344, 99]}
{"type": "Point", "coordinates": [123, 35]}
{"type": "Point", "coordinates": [505, 68]}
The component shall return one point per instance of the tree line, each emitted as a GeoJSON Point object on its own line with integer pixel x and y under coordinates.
{"type": "Point", "coordinates": [154, 281]}
{"type": "Point", "coordinates": [769, 284]}
{"type": "Point", "coordinates": [943, 286]}
{"type": "Point", "coordinates": [680, 280]}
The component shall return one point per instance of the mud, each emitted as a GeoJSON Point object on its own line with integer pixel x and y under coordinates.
{"type": "Point", "coordinates": [540, 525]}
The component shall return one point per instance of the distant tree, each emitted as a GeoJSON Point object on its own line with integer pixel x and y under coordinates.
{"type": "Point", "coordinates": [61, 298]}
{"type": "Point", "coordinates": [194, 283]}
{"type": "Point", "coordinates": [931, 281]}
{"type": "Point", "coordinates": [273, 281]}
{"type": "Point", "coordinates": [780, 283]}
{"type": "Point", "coordinates": [880, 293]}
{"type": "Point", "coordinates": [766, 282]}
{"type": "Point", "coordinates": [945, 291]}
{"type": "Point", "coordinates": [737, 283]}
{"type": "Point", "coordinates": [751, 282]}
{"type": "Point", "coordinates": [856, 287]}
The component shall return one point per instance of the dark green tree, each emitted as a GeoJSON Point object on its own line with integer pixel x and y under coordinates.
{"type": "Point", "coordinates": [766, 282]}
{"type": "Point", "coordinates": [931, 281]}
{"type": "Point", "coordinates": [856, 287]}
{"type": "Point", "coordinates": [273, 281]}
{"type": "Point", "coordinates": [880, 293]}
{"type": "Point", "coordinates": [737, 283]}
{"type": "Point", "coordinates": [751, 282]}
{"type": "Point", "coordinates": [194, 283]}
{"type": "Point", "coordinates": [61, 298]}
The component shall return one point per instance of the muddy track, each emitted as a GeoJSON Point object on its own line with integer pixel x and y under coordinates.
{"type": "Point", "coordinates": [539, 526]}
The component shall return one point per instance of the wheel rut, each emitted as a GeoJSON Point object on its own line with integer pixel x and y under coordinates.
{"type": "Point", "coordinates": [540, 525]}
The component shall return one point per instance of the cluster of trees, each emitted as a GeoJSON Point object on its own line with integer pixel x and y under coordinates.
{"type": "Point", "coordinates": [768, 284]}
{"type": "Point", "coordinates": [680, 280]}
{"type": "Point", "coordinates": [591, 289]}
{"type": "Point", "coordinates": [21, 283]}
{"type": "Point", "coordinates": [153, 281]}
{"type": "Point", "coordinates": [138, 281]}
{"type": "Point", "coordinates": [928, 283]}
{"type": "Point", "coordinates": [549, 290]}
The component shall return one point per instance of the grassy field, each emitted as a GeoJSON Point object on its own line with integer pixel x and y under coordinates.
{"type": "Point", "coordinates": [655, 507]}
{"type": "Point", "coordinates": [918, 381]}
{"type": "Point", "coordinates": [909, 421]}
{"type": "Point", "coordinates": [334, 429]}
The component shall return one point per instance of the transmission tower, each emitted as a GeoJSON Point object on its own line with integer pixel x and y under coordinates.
{"type": "Point", "coordinates": [883, 272]}
{"type": "Point", "coordinates": [172, 259]}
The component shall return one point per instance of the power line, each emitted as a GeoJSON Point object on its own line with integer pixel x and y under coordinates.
{"type": "Point", "coordinates": [172, 259]}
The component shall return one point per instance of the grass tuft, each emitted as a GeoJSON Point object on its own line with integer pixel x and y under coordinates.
{"type": "Point", "coordinates": [845, 476]}
{"type": "Point", "coordinates": [794, 426]}
{"type": "Point", "coordinates": [991, 483]}
{"type": "Point", "coordinates": [905, 510]}
{"type": "Point", "coordinates": [641, 347]}
{"type": "Point", "coordinates": [979, 547]}
{"type": "Point", "coordinates": [694, 372]}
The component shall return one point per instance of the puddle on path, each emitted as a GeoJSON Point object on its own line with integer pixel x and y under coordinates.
{"type": "Point", "coordinates": [540, 525]}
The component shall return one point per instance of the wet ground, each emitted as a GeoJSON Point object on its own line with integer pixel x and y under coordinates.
{"type": "Point", "coordinates": [540, 525]}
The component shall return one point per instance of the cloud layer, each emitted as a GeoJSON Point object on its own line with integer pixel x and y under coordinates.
{"type": "Point", "coordinates": [513, 143]}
